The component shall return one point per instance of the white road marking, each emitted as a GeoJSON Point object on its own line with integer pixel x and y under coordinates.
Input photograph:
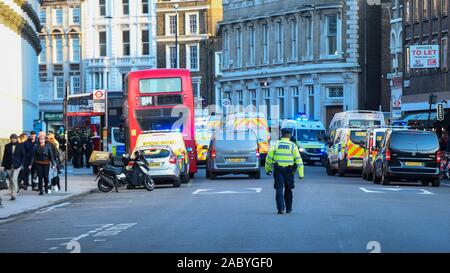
{"type": "Point", "coordinates": [53, 248]}
{"type": "Point", "coordinates": [396, 189]}
{"type": "Point", "coordinates": [53, 207]}
{"type": "Point", "coordinates": [209, 191]}
{"type": "Point", "coordinates": [114, 230]}
{"type": "Point", "coordinates": [100, 240]}
{"type": "Point", "coordinates": [92, 225]}
{"type": "Point", "coordinates": [59, 239]}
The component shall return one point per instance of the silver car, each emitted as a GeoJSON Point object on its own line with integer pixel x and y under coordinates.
{"type": "Point", "coordinates": [233, 152]}
{"type": "Point", "coordinates": [165, 166]}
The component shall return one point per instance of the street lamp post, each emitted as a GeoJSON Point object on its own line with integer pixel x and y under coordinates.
{"type": "Point", "coordinates": [176, 34]}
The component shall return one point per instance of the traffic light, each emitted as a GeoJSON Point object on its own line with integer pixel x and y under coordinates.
{"type": "Point", "coordinates": [440, 111]}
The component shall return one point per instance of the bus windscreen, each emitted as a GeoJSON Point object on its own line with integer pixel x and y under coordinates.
{"type": "Point", "coordinates": [161, 85]}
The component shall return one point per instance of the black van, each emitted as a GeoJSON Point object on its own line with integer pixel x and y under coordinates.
{"type": "Point", "coordinates": [410, 155]}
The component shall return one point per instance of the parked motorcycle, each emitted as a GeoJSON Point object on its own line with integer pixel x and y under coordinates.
{"type": "Point", "coordinates": [134, 173]}
{"type": "Point", "coordinates": [445, 167]}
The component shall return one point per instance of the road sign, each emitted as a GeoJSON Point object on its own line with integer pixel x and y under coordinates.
{"type": "Point", "coordinates": [440, 111]}
{"type": "Point", "coordinates": [397, 103]}
{"type": "Point", "coordinates": [99, 107]}
{"type": "Point", "coordinates": [95, 120]}
{"type": "Point", "coordinates": [226, 102]}
{"type": "Point", "coordinates": [99, 95]}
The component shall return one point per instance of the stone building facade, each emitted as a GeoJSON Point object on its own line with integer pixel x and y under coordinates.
{"type": "Point", "coordinates": [292, 56]}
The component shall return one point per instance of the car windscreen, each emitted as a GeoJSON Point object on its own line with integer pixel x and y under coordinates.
{"type": "Point", "coordinates": [358, 136]}
{"type": "Point", "coordinates": [310, 135]}
{"type": "Point", "coordinates": [156, 153]}
{"type": "Point", "coordinates": [235, 139]}
{"type": "Point", "coordinates": [414, 141]}
{"type": "Point", "coordinates": [363, 122]}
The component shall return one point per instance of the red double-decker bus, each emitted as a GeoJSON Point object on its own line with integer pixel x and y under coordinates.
{"type": "Point", "coordinates": [160, 100]}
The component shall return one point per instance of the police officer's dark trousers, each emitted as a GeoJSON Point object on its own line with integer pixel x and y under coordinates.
{"type": "Point", "coordinates": [284, 183]}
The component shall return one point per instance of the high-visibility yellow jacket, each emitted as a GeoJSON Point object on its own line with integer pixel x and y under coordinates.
{"type": "Point", "coordinates": [285, 153]}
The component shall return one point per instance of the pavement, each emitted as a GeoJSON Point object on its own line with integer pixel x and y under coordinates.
{"type": "Point", "coordinates": [79, 182]}
{"type": "Point", "coordinates": [238, 214]}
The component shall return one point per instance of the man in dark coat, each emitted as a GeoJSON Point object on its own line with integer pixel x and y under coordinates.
{"type": "Point", "coordinates": [29, 150]}
{"type": "Point", "coordinates": [13, 161]}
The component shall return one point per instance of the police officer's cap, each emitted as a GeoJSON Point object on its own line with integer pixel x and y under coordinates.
{"type": "Point", "coordinates": [286, 130]}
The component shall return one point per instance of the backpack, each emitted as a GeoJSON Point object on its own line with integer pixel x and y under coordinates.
{"type": "Point", "coordinates": [3, 183]}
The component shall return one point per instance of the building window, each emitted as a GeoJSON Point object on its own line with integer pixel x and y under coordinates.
{"type": "Point", "coordinates": [172, 25]}
{"type": "Point", "coordinates": [43, 17]}
{"type": "Point", "coordinates": [226, 47]}
{"type": "Point", "coordinates": [294, 39]}
{"type": "Point", "coordinates": [193, 56]}
{"type": "Point", "coordinates": [296, 100]}
{"type": "Point", "coordinates": [238, 47]}
{"type": "Point", "coordinates": [424, 9]}
{"type": "Point", "coordinates": [58, 50]}
{"type": "Point", "coordinates": [102, 7]}
{"type": "Point", "coordinates": [265, 28]}
{"type": "Point", "coordinates": [310, 92]}
{"type": "Point", "coordinates": [408, 65]}
{"type": "Point", "coordinates": [125, 7]}
{"type": "Point", "coordinates": [434, 4]}
{"type": "Point", "coordinates": [444, 51]}
{"type": "Point", "coordinates": [145, 43]}
{"type": "Point", "coordinates": [280, 92]}
{"type": "Point", "coordinates": [171, 57]}
{"type": "Point", "coordinates": [416, 9]}
{"type": "Point", "coordinates": [266, 93]}
{"type": "Point", "coordinates": [43, 54]}
{"type": "Point", "coordinates": [59, 17]}
{"type": "Point", "coordinates": [252, 40]}
{"type": "Point", "coordinates": [444, 7]}
{"type": "Point", "coordinates": [331, 35]}
{"type": "Point", "coordinates": [126, 43]}
{"type": "Point", "coordinates": [102, 43]}
{"type": "Point", "coordinates": [240, 96]}
{"type": "Point", "coordinates": [144, 6]}
{"type": "Point", "coordinates": [191, 23]}
{"type": "Point", "coordinates": [76, 15]}
{"type": "Point", "coordinates": [308, 35]}
{"type": "Point", "coordinates": [218, 63]}
{"type": "Point", "coordinates": [59, 87]}
{"type": "Point", "coordinates": [75, 85]}
{"type": "Point", "coordinates": [253, 100]}
{"type": "Point", "coordinates": [335, 92]}
{"type": "Point", "coordinates": [75, 49]}
{"type": "Point", "coordinates": [98, 80]}
{"type": "Point", "coordinates": [279, 41]}
{"type": "Point", "coordinates": [408, 11]}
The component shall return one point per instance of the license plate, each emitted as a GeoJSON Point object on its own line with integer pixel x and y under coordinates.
{"type": "Point", "coordinates": [154, 164]}
{"type": "Point", "coordinates": [236, 160]}
{"type": "Point", "coordinates": [315, 158]}
{"type": "Point", "coordinates": [413, 164]}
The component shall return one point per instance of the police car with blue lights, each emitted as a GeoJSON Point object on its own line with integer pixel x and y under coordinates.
{"type": "Point", "coordinates": [309, 136]}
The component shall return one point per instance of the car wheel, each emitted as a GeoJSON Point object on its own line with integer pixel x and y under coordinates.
{"type": "Point", "coordinates": [425, 182]}
{"type": "Point", "coordinates": [375, 179]}
{"type": "Point", "coordinates": [149, 184]}
{"type": "Point", "coordinates": [256, 175]}
{"type": "Point", "coordinates": [212, 175]}
{"type": "Point", "coordinates": [176, 183]}
{"type": "Point", "coordinates": [384, 179]}
{"type": "Point", "coordinates": [330, 171]}
{"type": "Point", "coordinates": [341, 171]}
{"type": "Point", "coordinates": [436, 182]}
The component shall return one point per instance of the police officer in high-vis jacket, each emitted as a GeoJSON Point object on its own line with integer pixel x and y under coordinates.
{"type": "Point", "coordinates": [285, 159]}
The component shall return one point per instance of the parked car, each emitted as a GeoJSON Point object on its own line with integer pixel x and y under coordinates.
{"type": "Point", "coordinates": [346, 151]}
{"type": "Point", "coordinates": [233, 152]}
{"type": "Point", "coordinates": [408, 155]}
{"type": "Point", "coordinates": [165, 166]}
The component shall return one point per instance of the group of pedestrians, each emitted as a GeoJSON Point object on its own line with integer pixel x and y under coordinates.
{"type": "Point", "coordinates": [27, 157]}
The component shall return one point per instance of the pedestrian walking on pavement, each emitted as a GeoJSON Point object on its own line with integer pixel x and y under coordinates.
{"type": "Point", "coordinates": [22, 138]}
{"type": "Point", "coordinates": [54, 179]}
{"type": "Point", "coordinates": [29, 146]}
{"type": "Point", "coordinates": [44, 159]}
{"type": "Point", "coordinates": [13, 160]}
{"type": "Point", "coordinates": [285, 160]}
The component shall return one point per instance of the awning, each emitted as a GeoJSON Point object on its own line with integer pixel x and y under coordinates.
{"type": "Point", "coordinates": [420, 116]}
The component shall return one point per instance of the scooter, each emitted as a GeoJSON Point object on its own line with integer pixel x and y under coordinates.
{"type": "Point", "coordinates": [135, 172]}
